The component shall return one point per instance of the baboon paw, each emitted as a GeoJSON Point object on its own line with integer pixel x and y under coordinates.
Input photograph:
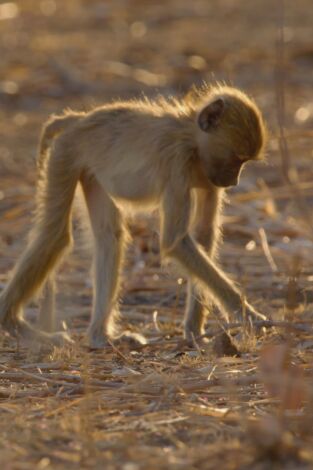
{"type": "Point", "coordinates": [20, 328]}
{"type": "Point", "coordinates": [97, 340]}
{"type": "Point", "coordinates": [195, 336]}
{"type": "Point", "coordinates": [60, 339]}
{"type": "Point", "coordinates": [254, 315]}
{"type": "Point", "coordinates": [133, 339]}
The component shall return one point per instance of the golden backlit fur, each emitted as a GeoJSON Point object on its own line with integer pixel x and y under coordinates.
{"type": "Point", "coordinates": [177, 155]}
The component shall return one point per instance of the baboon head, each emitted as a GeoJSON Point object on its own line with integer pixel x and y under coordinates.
{"type": "Point", "coordinates": [231, 132]}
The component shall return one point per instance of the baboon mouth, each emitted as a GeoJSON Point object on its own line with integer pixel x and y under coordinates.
{"type": "Point", "coordinates": [222, 184]}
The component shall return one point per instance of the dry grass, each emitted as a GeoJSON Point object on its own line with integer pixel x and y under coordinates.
{"type": "Point", "coordinates": [163, 405]}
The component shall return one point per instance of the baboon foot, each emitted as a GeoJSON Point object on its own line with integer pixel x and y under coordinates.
{"type": "Point", "coordinates": [194, 335]}
{"type": "Point", "coordinates": [133, 339]}
{"type": "Point", "coordinates": [97, 339]}
{"type": "Point", "coordinates": [60, 339]}
{"type": "Point", "coordinates": [20, 328]}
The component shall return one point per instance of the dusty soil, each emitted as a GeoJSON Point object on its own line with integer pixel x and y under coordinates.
{"type": "Point", "coordinates": [165, 405]}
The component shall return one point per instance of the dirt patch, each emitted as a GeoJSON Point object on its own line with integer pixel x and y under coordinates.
{"type": "Point", "coordinates": [164, 405]}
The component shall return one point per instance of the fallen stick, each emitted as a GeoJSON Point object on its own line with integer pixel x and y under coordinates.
{"type": "Point", "coordinates": [261, 324]}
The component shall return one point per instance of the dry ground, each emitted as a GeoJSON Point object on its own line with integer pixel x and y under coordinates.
{"type": "Point", "coordinates": [164, 406]}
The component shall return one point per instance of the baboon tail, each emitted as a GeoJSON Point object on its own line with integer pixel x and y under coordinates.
{"type": "Point", "coordinates": [54, 126]}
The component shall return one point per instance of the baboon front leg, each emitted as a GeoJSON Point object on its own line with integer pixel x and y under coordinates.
{"type": "Point", "coordinates": [225, 293]}
{"type": "Point", "coordinates": [177, 243]}
{"type": "Point", "coordinates": [206, 228]}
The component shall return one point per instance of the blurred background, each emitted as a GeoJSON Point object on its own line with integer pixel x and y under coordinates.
{"type": "Point", "coordinates": [79, 53]}
{"type": "Point", "coordinates": [56, 54]}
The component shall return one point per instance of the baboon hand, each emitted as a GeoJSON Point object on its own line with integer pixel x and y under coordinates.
{"type": "Point", "coordinates": [252, 314]}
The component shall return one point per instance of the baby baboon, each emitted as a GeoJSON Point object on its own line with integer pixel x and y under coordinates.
{"type": "Point", "coordinates": [178, 155]}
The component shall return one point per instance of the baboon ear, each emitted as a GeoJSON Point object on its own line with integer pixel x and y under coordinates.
{"type": "Point", "coordinates": [210, 115]}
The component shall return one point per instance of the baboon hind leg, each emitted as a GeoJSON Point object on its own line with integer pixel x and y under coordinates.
{"type": "Point", "coordinates": [47, 320]}
{"type": "Point", "coordinates": [50, 238]}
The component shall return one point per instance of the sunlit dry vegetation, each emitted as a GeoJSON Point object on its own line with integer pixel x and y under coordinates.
{"type": "Point", "coordinates": [246, 400]}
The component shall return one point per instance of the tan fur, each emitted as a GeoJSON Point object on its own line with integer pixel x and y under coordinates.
{"type": "Point", "coordinates": [176, 155]}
